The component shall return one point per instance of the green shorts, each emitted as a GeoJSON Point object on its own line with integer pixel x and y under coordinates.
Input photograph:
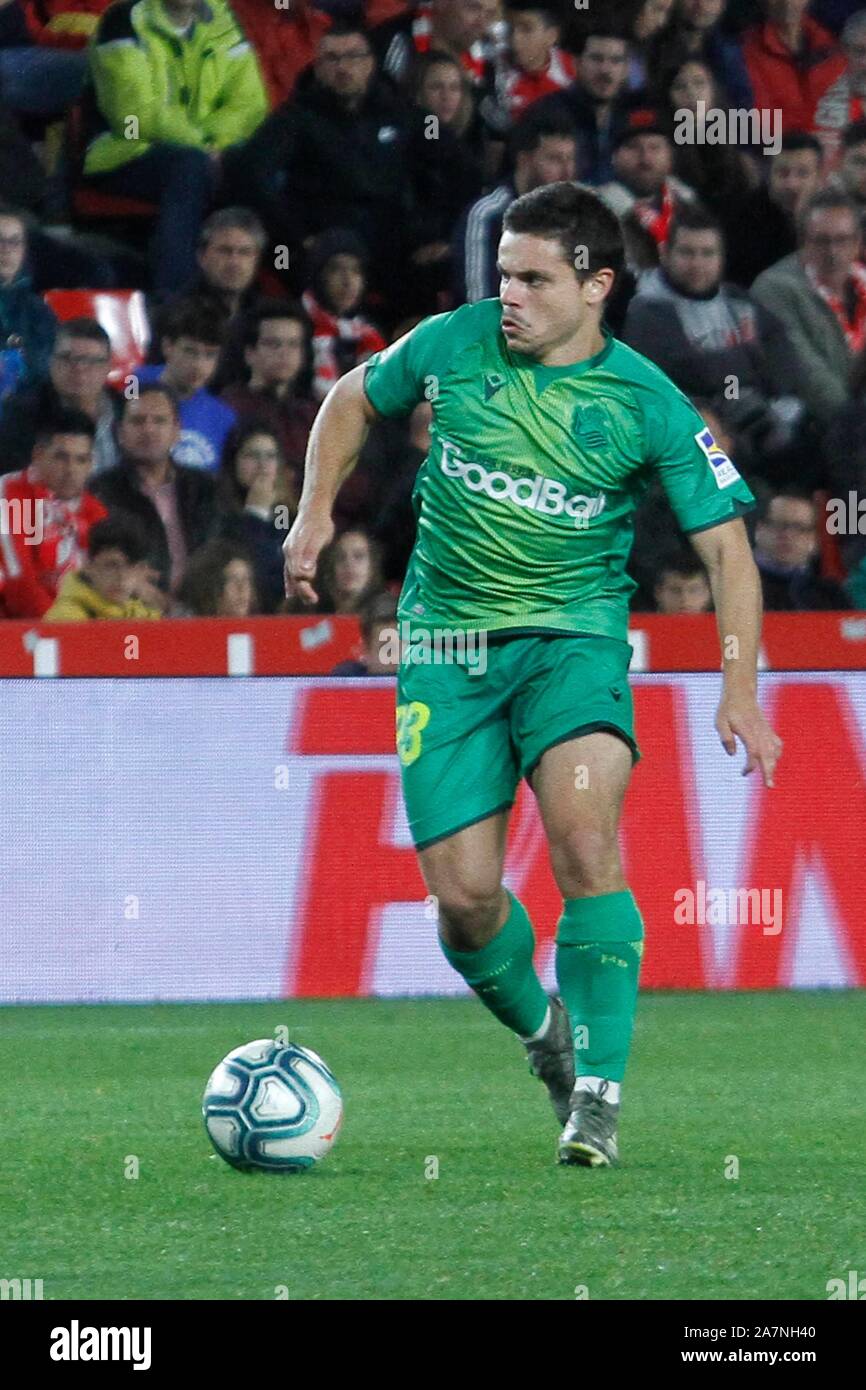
{"type": "Point", "coordinates": [467, 732]}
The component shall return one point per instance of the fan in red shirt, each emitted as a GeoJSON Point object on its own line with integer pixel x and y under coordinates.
{"type": "Point", "coordinates": [791, 60]}
{"type": "Point", "coordinates": [535, 65]}
{"type": "Point", "coordinates": [63, 23]}
{"type": "Point", "coordinates": [46, 516]}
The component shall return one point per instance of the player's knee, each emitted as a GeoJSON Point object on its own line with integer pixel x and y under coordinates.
{"type": "Point", "coordinates": [468, 915]}
{"type": "Point", "coordinates": [587, 860]}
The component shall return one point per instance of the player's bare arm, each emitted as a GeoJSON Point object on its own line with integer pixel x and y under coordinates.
{"type": "Point", "coordinates": [736, 588]}
{"type": "Point", "coordinates": [336, 440]}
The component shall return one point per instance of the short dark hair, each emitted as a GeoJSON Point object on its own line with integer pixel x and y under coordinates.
{"type": "Point", "coordinates": [62, 421]}
{"type": "Point", "coordinates": [826, 200]}
{"type": "Point", "coordinates": [693, 217]}
{"type": "Point", "coordinates": [234, 219]}
{"type": "Point", "coordinates": [548, 12]}
{"type": "Point", "coordinates": [198, 319]}
{"type": "Point", "coordinates": [87, 330]}
{"type": "Point", "coordinates": [854, 134]}
{"type": "Point", "coordinates": [378, 610]}
{"type": "Point", "coordinates": [154, 388]}
{"type": "Point", "coordinates": [601, 31]}
{"type": "Point", "coordinates": [120, 531]}
{"type": "Point", "coordinates": [791, 492]}
{"type": "Point", "coordinates": [684, 563]}
{"type": "Point", "coordinates": [801, 140]}
{"type": "Point", "coordinates": [528, 133]}
{"type": "Point", "coordinates": [343, 29]}
{"type": "Point", "coordinates": [268, 309]}
{"type": "Point", "coordinates": [574, 216]}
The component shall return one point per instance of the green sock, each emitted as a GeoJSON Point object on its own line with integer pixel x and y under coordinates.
{"type": "Point", "coordinates": [599, 944]}
{"type": "Point", "coordinates": [503, 976]}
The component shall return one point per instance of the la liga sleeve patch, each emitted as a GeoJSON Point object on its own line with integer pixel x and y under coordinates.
{"type": "Point", "coordinates": [721, 467]}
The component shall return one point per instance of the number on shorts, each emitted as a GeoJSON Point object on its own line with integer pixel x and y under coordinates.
{"type": "Point", "coordinates": [411, 719]}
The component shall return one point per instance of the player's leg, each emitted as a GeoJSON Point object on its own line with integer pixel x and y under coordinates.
{"type": "Point", "coordinates": [580, 784]}
{"type": "Point", "coordinates": [487, 937]}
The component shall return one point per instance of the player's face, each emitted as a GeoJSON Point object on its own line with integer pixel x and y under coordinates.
{"type": "Point", "coordinates": [794, 176]}
{"type": "Point", "coordinates": [543, 302]}
{"type": "Point", "coordinates": [63, 464]}
{"type": "Point", "coordinates": [693, 261]}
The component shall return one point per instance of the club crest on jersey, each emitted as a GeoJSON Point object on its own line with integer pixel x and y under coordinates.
{"type": "Point", "coordinates": [589, 423]}
{"type": "Point", "coordinates": [493, 382]}
{"type": "Point", "coordinates": [721, 466]}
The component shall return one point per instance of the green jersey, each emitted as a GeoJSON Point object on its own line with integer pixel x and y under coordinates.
{"type": "Point", "coordinates": [525, 501]}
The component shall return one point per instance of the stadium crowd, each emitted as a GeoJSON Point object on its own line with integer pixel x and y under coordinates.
{"type": "Point", "coordinates": [259, 196]}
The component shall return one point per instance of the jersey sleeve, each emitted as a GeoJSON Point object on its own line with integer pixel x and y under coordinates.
{"type": "Point", "coordinates": [701, 482]}
{"type": "Point", "coordinates": [401, 376]}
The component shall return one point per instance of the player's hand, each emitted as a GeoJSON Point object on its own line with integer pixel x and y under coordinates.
{"type": "Point", "coordinates": [301, 550]}
{"type": "Point", "coordinates": [740, 717]}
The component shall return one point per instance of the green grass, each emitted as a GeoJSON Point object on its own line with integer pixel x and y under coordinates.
{"type": "Point", "coordinates": [775, 1080]}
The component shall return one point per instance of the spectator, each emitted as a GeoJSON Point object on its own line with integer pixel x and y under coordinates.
{"type": "Point", "coordinates": [259, 503]}
{"type": "Point", "coordinates": [37, 78]}
{"type": "Point", "coordinates": [447, 169]}
{"type": "Point", "coordinates": [335, 156]}
{"type": "Point", "coordinates": [844, 103]}
{"type": "Point", "coordinates": [722, 175]}
{"type": "Point", "coordinates": [184, 74]}
{"type": "Point", "coordinates": [770, 212]}
{"type": "Point", "coordinates": [695, 33]}
{"type": "Point", "coordinates": [55, 513]}
{"type": "Point", "coordinates": [544, 150]}
{"type": "Point", "coordinates": [342, 336]}
{"type": "Point", "coordinates": [786, 553]}
{"type": "Point", "coordinates": [77, 380]}
{"type": "Point", "coordinates": [535, 65]}
{"type": "Point", "coordinates": [276, 351]}
{"type": "Point", "coordinates": [791, 61]}
{"type": "Point", "coordinates": [351, 572]}
{"type": "Point", "coordinates": [852, 174]}
{"type": "Point", "coordinates": [819, 294]}
{"type": "Point", "coordinates": [643, 21]}
{"type": "Point", "coordinates": [714, 341]}
{"type": "Point", "coordinates": [285, 40]}
{"type": "Point", "coordinates": [192, 337]}
{"type": "Point", "coordinates": [176, 505]}
{"type": "Point", "coordinates": [844, 449]}
{"type": "Point", "coordinates": [645, 194]}
{"type": "Point", "coordinates": [595, 103]}
{"type": "Point", "coordinates": [380, 646]}
{"type": "Point", "coordinates": [456, 27]}
{"type": "Point", "coordinates": [27, 325]}
{"type": "Point", "coordinates": [682, 586]}
{"type": "Point", "coordinates": [109, 583]}
{"type": "Point", "coordinates": [219, 583]}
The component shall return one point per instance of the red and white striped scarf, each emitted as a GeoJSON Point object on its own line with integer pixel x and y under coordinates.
{"type": "Point", "coordinates": [474, 59]}
{"type": "Point", "coordinates": [855, 328]}
{"type": "Point", "coordinates": [328, 330]}
{"type": "Point", "coordinates": [656, 221]}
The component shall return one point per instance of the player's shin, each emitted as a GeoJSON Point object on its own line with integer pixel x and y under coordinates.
{"type": "Point", "coordinates": [503, 976]}
{"type": "Point", "coordinates": [599, 943]}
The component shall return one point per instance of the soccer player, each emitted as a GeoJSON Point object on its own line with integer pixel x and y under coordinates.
{"type": "Point", "coordinates": [545, 431]}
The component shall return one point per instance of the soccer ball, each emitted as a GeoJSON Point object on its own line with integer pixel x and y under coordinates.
{"type": "Point", "coordinates": [272, 1106]}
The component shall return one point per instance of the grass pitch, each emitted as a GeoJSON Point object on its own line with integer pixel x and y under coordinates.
{"type": "Point", "coordinates": [773, 1081]}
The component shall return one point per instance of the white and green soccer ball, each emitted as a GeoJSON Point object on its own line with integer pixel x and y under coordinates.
{"type": "Point", "coordinates": [272, 1106]}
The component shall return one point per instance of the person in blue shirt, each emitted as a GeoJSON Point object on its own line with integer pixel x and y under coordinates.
{"type": "Point", "coordinates": [192, 339]}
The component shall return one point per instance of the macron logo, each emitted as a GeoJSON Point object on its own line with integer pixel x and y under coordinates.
{"type": "Point", "coordinates": [77, 1343]}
